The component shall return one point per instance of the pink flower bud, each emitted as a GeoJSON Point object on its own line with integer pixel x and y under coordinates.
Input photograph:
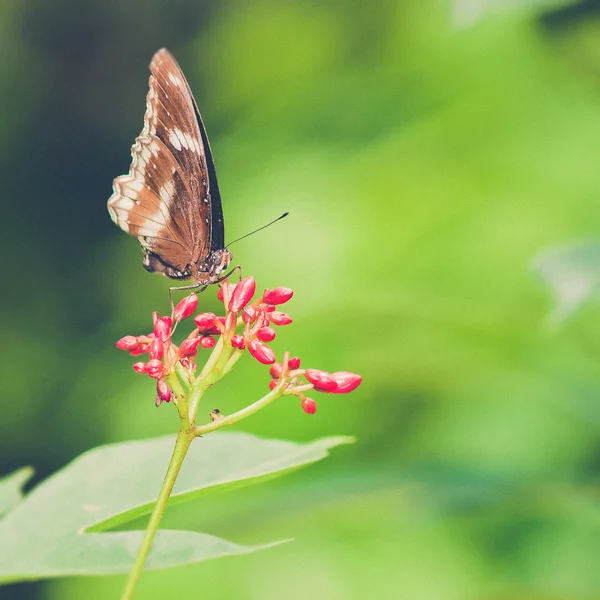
{"type": "Point", "coordinates": [272, 384]}
{"type": "Point", "coordinates": [263, 354]}
{"type": "Point", "coordinates": [249, 315]}
{"type": "Point", "coordinates": [129, 342]}
{"type": "Point", "coordinates": [185, 307]}
{"type": "Point", "coordinates": [276, 370]}
{"type": "Point", "coordinates": [270, 307]}
{"type": "Point", "coordinates": [220, 293]}
{"type": "Point", "coordinates": [217, 328]}
{"type": "Point", "coordinates": [309, 406]}
{"type": "Point", "coordinates": [205, 321]}
{"type": "Point", "coordinates": [280, 318]}
{"type": "Point", "coordinates": [207, 342]}
{"type": "Point", "coordinates": [163, 390]}
{"type": "Point", "coordinates": [280, 295]}
{"type": "Point", "coordinates": [162, 328]}
{"type": "Point", "coordinates": [294, 363]}
{"type": "Point", "coordinates": [156, 349]}
{"type": "Point", "coordinates": [346, 382]}
{"type": "Point", "coordinates": [242, 294]}
{"type": "Point", "coordinates": [266, 334]}
{"type": "Point", "coordinates": [323, 381]}
{"type": "Point", "coordinates": [237, 341]}
{"type": "Point", "coordinates": [139, 367]}
{"type": "Point", "coordinates": [189, 347]}
{"type": "Point", "coordinates": [141, 349]}
{"type": "Point", "coordinates": [154, 368]}
{"type": "Point", "coordinates": [158, 401]}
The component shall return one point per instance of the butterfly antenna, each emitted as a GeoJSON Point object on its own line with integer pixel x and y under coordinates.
{"type": "Point", "coordinates": [285, 214]}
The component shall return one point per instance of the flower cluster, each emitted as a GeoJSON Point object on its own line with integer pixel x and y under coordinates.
{"type": "Point", "coordinates": [247, 325]}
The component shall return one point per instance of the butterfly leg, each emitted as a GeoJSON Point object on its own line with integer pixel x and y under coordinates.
{"type": "Point", "coordinates": [238, 269]}
{"type": "Point", "coordinates": [185, 287]}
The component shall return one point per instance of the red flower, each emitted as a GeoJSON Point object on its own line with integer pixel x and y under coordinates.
{"type": "Point", "coordinates": [246, 324]}
{"type": "Point", "coordinates": [156, 349]}
{"type": "Point", "coordinates": [154, 368]}
{"type": "Point", "coordinates": [263, 354]}
{"type": "Point", "coordinates": [205, 321]}
{"type": "Point", "coordinates": [276, 370]}
{"type": "Point", "coordinates": [237, 341]}
{"type": "Point", "coordinates": [185, 307]}
{"type": "Point", "coordinates": [279, 295]}
{"type": "Point", "coordinates": [280, 318]}
{"type": "Point", "coordinates": [242, 294]}
{"type": "Point", "coordinates": [266, 334]}
{"type": "Point", "coordinates": [346, 382]}
{"type": "Point", "coordinates": [323, 381]}
{"type": "Point", "coordinates": [207, 342]}
{"type": "Point", "coordinates": [128, 343]}
{"type": "Point", "coordinates": [309, 406]}
{"type": "Point", "coordinates": [162, 328]}
{"type": "Point", "coordinates": [189, 347]}
{"type": "Point", "coordinates": [163, 390]}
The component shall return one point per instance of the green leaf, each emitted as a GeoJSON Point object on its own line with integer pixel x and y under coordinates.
{"type": "Point", "coordinates": [573, 275]}
{"type": "Point", "coordinates": [10, 488]}
{"type": "Point", "coordinates": [56, 530]}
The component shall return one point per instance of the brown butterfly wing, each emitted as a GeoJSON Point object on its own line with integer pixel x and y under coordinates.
{"type": "Point", "coordinates": [164, 201]}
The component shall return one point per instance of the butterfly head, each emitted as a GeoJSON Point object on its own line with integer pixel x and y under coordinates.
{"type": "Point", "coordinates": [211, 269]}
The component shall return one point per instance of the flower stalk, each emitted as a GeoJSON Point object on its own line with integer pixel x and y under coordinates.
{"type": "Point", "coordinates": [246, 325]}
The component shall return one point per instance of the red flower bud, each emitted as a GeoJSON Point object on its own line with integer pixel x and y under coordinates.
{"type": "Point", "coordinates": [266, 334]}
{"type": "Point", "coordinates": [276, 370]}
{"type": "Point", "coordinates": [270, 307]}
{"type": "Point", "coordinates": [294, 363]}
{"type": "Point", "coordinates": [185, 307]}
{"type": "Point", "coordinates": [205, 321]}
{"type": "Point", "coordinates": [280, 318]}
{"type": "Point", "coordinates": [162, 328]}
{"type": "Point", "coordinates": [263, 354]}
{"type": "Point", "coordinates": [220, 293]}
{"type": "Point", "coordinates": [217, 328]}
{"type": "Point", "coordinates": [249, 315]}
{"type": "Point", "coordinates": [141, 349]}
{"type": "Point", "coordinates": [242, 294]}
{"type": "Point", "coordinates": [346, 382]}
{"type": "Point", "coordinates": [272, 384]}
{"type": "Point", "coordinates": [156, 349]}
{"type": "Point", "coordinates": [154, 368]}
{"type": "Point", "coordinates": [207, 342]}
{"type": "Point", "coordinates": [280, 295]}
{"type": "Point", "coordinates": [237, 341]}
{"type": "Point", "coordinates": [323, 381]}
{"type": "Point", "coordinates": [139, 367]}
{"type": "Point", "coordinates": [309, 406]}
{"type": "Point", "coordinates": [163, 390]}
{"type": "Point", "coordinates": [189, 347]}
{"type": "Point", "coordinates": [129, 342]}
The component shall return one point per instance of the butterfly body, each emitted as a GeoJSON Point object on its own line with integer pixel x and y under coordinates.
{"type": "Point", "coordinates": [170, 198]}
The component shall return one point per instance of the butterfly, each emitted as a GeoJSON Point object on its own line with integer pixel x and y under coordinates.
{"type": "Point", "coordinates": [170, 198]}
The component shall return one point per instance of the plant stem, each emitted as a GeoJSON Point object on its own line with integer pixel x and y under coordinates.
{"type": "Point", "coordinates": [233, 418]}
{"type": "Point", "coordinates": [184, 439]}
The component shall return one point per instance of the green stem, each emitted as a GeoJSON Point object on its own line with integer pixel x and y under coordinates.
{"type": "Point", "coordinates": [233, 418]}
{"type": "Point", "coordinates": [184, 439]}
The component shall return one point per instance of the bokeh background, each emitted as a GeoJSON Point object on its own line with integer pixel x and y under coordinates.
{"type": "Point", "coordinates": [427, 152]}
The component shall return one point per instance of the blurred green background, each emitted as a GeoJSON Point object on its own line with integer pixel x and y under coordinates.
{"type": "Point", "coordinates": [427, 152]}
